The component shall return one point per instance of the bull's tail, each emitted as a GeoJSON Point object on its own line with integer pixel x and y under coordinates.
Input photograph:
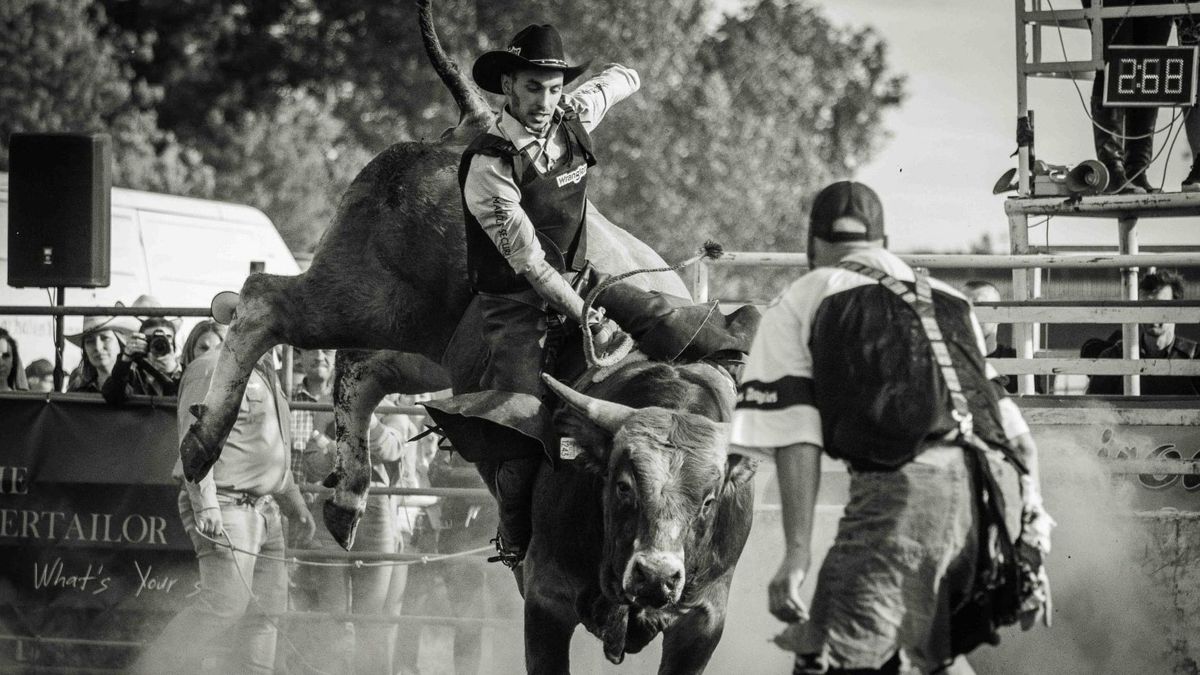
{"type": "Point", "coordinates": [474, 112]}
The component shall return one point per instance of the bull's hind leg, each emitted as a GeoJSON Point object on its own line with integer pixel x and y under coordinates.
{"type": "Point", "coordinates": [259, 324]}
{"type": "Point", "coordinates": [361, 380]}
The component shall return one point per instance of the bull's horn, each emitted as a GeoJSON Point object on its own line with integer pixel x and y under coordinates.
{"type": "Point", "coordinates": [606, 414]}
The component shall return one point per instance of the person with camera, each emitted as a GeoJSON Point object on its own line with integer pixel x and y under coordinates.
{"type": "Point", "coordinates": [148, 364]}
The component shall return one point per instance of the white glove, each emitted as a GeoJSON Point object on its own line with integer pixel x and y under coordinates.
{"type": "Point", "coordinates": [1036, 523]}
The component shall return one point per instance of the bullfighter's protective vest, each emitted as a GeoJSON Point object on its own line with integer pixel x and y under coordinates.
{"type": "Point", "coordinates": [555, 202]}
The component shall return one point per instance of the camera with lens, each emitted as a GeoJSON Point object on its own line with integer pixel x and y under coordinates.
{"type": "Point", "coordinates": [159, 342]}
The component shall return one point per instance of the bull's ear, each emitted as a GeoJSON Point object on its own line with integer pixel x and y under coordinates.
{"type": "Point", "coordinates": [739, 469]}
{"type": "Point", "coordinates": [589, 436]}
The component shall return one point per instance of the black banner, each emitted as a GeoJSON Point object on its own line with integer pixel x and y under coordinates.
{"type": "Point", "coordinates": [91, 544]}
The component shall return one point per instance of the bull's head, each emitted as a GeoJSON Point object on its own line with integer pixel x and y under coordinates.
{"type": "Point", "coordinates": [664, 477]}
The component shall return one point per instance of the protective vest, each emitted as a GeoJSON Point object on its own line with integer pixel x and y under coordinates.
{"type": "Point", "coordinates": [875, 382]}
{"type": "Point", "coordinates": [555, 202]}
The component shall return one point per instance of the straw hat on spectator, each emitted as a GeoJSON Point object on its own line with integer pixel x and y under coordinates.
{"type": "Point", "coordinates": [123, 326]}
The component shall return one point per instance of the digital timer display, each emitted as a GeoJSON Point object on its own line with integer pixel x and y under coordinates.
{"type": "Point", "coordinates": [1140, 76]}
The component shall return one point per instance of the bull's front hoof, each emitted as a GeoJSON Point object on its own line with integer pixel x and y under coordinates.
{"type": "Point", "coordinates": [197, 458]}
{"type": "Point", "coordinates": [341, 521]}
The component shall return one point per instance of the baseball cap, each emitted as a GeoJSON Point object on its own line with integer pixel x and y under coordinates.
{"type": "Point", "coordinates": [846, 199]}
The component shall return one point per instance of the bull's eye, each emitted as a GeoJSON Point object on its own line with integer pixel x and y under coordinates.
{"type": "Point", "coordinates": [708, 502]}
{"type": "Point", "coordinates": [624, 488]}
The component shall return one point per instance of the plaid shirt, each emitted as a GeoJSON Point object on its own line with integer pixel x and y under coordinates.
{"type": "Point", "coordinates": [302, 428]}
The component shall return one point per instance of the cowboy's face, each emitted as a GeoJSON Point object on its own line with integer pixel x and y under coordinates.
{"type": "Point", "coordinates": [532, 96]}
{"type": "Point", "coordinates": [102, 349]}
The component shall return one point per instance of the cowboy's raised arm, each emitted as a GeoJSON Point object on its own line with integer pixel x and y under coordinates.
{"type": "Point", "coordinates": [594, 97]}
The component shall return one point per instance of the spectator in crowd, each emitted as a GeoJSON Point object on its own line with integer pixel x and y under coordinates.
{"type": "Point", "coordinates": [40, 375]}
{"type": "Point", "coordinates": [1093, 347]}
{"type": "Point", "coordinates": [148, 364]}
{"type": "Point", "coordinates": [237, 505]}
{"type": "Point", "coordinates": [410, 471]}
{"type": "Point", "coordinates": [102, 341]}
{"type": "Point", "coordinates": [358, 590]}
{"type": "Point", "coordinates": [464, 587]}
{"type": "Point", "coordinates": [12, 373]}
{"type": "Point", "coordinates": [1156, 341]}
{"type": "Point", "coordinates": [205, 337]}
{"type": "Point", "coordinates": [1124, 137]}
{"type": "Point", "coordinates": [977, 291]}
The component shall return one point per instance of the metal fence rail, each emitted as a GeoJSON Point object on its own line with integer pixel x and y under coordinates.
{"type": "Point", "coordinates": [1025, 315]}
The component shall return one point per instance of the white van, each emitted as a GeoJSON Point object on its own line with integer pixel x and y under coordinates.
{"type": "Point", "coordinates": [183, 251]}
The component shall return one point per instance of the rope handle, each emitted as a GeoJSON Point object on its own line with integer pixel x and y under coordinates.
{"type": "Point", "coordinates": [711, 250]}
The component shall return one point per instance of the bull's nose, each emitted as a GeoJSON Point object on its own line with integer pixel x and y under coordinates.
{"type": "Point", "coordinates": [655, 579]}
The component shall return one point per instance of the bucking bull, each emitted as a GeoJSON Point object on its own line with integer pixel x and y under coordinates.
{"type": "Point", "coordinates": [639, 536]}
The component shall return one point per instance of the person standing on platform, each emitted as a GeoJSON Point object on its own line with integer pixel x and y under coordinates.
{"type": "Point", "coordinates": [1124, 137]}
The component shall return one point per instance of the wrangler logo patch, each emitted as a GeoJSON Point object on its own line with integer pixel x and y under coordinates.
{"type": "Point", "coordinates": [573, 176]}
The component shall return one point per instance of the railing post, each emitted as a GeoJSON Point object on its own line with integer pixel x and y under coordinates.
{"type": "Point", "coordinates": [1023, 151]}
{"type": "Point", "coordinates": [1129, 291]}
{"type": "Point", "coordinates": [1024, 339]}
{"type": "Point", "coordinates": [288, 369]}
{"type": "Point", "coordinates": [59, 340]}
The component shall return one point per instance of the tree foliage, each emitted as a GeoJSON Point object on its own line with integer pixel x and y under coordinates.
{"type": "Point", "coordinates": [279, 103]}
{"type": "Point", "coordinates": [62, 71]}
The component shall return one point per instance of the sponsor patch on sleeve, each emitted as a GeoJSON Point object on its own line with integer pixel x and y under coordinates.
{"type": "Point", "coordinates": [776, 394]}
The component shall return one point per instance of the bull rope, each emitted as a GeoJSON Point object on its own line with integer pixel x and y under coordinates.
{"type": "Point", "coordinates": [711, 250]}
{"type": "Point", "coordinates": [357, 564]}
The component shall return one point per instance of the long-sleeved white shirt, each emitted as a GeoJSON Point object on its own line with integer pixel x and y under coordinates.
{"type": "Point", "coordinates": [490, 190]}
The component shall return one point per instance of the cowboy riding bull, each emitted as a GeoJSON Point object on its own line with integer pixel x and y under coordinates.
{"type": "Point", "coordinates": [636, 534]}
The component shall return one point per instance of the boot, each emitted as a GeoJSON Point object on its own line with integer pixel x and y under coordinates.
{"type": "Point", "coordinates": [1192, 182]}
{"type": "Point", "coordinates": [1108, 147]}
{"type": "Point", "coordinates": [1139, 149]}
{"type": "Point", "coordinates": [515, 479]}
{"type": "Point", "coordinates": [1118, 180]}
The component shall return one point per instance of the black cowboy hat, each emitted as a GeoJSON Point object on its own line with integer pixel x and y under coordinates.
{"type": "Point", "coordinates": [534, 48]}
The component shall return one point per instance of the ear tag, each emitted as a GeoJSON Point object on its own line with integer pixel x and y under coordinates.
{"type": "Point", "coordinates": [567, 448]}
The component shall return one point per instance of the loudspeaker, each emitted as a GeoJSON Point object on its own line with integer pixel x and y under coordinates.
{"type": "Point", "coordinates": [1089, 177]}
{"type": "Point", "coordinates": [59, 210]}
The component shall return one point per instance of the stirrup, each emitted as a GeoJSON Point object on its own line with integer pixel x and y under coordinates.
{"type": "Point", "coordinates": [509, 557]}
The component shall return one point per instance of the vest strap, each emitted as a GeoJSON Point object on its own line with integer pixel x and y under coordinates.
{"type": "Point", "coordinates": [921, 302]}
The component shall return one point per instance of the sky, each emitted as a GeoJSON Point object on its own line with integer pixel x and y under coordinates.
{"type": "Point", "coordinates": [953, 135]}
